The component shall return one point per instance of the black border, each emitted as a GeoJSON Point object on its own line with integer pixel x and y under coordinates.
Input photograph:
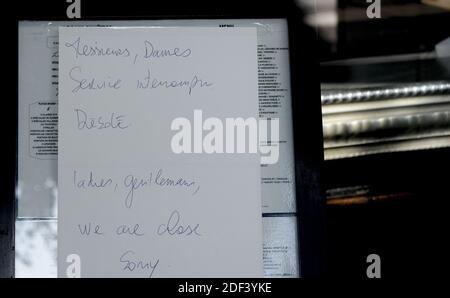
{"type": "Point", "coordinates": [305, 89]}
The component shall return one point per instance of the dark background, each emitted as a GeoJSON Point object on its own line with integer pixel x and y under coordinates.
{"type": "Point", "coordinates": [407, 226]}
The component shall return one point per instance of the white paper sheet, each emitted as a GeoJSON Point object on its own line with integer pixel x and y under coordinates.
{"type": "Point", "coordinates": [36, 247]}
{"type": "Point", "coordinates": [38, 83]}
{"type": "Point", "coordinates": [134, 231]}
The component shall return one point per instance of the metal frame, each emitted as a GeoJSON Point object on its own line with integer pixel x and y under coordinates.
{"type": "Point", "coordinates": [305, 90]}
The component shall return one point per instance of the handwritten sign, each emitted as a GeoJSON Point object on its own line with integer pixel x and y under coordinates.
{"type": "Point", "coordinates": [128, 205]}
